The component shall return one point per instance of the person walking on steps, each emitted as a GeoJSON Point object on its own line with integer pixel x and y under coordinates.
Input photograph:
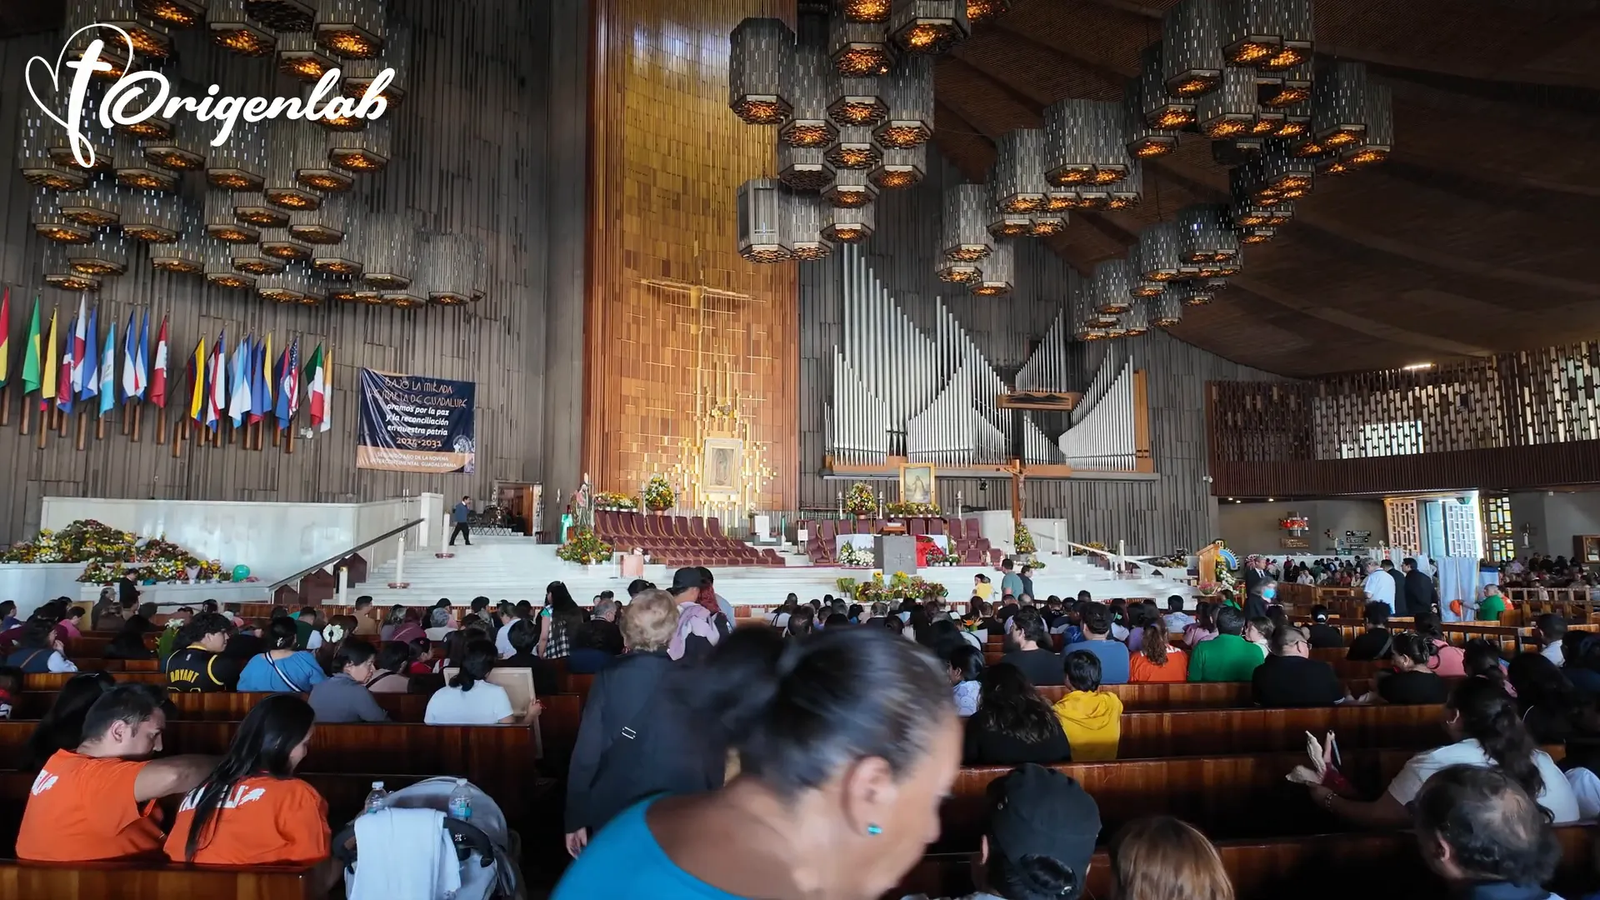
{"type": "Point", "coordinates": [459, 516]}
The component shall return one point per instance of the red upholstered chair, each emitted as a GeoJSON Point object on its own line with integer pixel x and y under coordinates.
{"type": "Point", "coordinates": [828, 528]}
{"type": "Point", "coordinates": [957, 530]}
{"type": "Point", "coordinates": [971, 557]}
{"type": "Point", "coordinates": [917, 526]}
{"type": "Point", "coordinates": [936, 526]}
{"type": "Point", "coordinates": [877, 526]}
{"type": "Point", "coordinates": [974, 529]}
{"type": "Point", "coordinates": [995, 556]}
{"type": "Point", "coordinates": [714, 527]}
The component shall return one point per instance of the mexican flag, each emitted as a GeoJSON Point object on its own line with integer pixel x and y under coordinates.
{"type": "Point", "coordinates": [317, 389]}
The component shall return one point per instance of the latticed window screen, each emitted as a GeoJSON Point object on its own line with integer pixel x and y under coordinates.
{"type": "Point", "coordinates": [1405, 531]}
{"type": "Point", "coordinates": [1522, 399]}
{"type": "Point", "coordinates": [1497, 530]}
{"type": "Point", "coordinates": [1461, 528]}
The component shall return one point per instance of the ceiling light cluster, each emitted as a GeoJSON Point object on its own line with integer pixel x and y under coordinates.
{"type": "Point", "coordinates": [850, 89]}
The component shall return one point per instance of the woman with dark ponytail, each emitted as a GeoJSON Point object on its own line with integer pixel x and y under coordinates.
{"type": "Point", "coordinates": [469, 699]}
{"type": "Point", "coordinates": [251, 810]}
{"type": "Point", "coordinates": [1413, 682]}
{"type": "Point", "coordinates": [822, 761]}
{"type": "Point", "coordinates": [1488, 732]}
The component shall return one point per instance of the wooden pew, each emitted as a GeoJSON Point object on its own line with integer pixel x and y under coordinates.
{"type": "Point", "coordinates": [146, 881]}
{"type": "Point", "coordinates": [497, 758]}
{"type": "Point", "coordinates": [1313, 867]}
{"type": "Point", "coordinates": [1227, 796]}
{"type": "Point", "coordinates": [227, 706]}
{"type": "Point", "coordinates": [51, 681]}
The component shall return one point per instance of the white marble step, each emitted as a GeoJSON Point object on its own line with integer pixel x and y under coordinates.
{"type": "Point", "coordinates": [515, 568]}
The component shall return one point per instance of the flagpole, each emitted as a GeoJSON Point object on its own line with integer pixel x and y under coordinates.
{"type": "Point", "coordinates": [25, 414]}
{"type": "Point", "coordinates": [161, 426]}
{"type": "Point", "coordinates": [134, 408]}
{"type": "Point", "coordinates": [178, 440]}
{"type": "Point", "coordinates": [127, 413]}
{"type": "Point", "coordinates": [100, 427]}
{"type": "Point", "coordinates": [5, 406]}
{"type": "Point", "coordinates": [81, 429]}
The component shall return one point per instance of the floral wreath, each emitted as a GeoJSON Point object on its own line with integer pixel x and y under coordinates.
{"type": "Point", "coordinates": [333, 633]}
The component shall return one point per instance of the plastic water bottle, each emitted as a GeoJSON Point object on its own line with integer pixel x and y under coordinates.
{"type": "Point", "coordinates": [376, 798]}
{"type": "Point", "coordinates": [460, 802]}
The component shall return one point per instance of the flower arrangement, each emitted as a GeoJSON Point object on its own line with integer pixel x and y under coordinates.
{"type": "Point", "coordinates": [853, 557]}
{"type": "Point", "coordinates": [613, 501]}
{"type": "Point", "coordinates": [900, 508]}
{"type": "Point", "coordinates": [1092, 545]}
{"type": "Point", "coordinates": [1208, 588]}
{"type": "Point", "coordinates": [860, 500]}
{"type": "Point", "coordinates": [937, 557]}
{"type": "Point", "coordinates": [845, 586]}
{"type": "Point", "coordinates": [584, 547]}
{"type": "Point", "coordinates": [99, 572]}
{"type": "Point", "coordinates": [1024, 540]}
{"type": "Point", "coordinates": [899, 587]}
{"type": "Point", "coordinates": [1177, 559]}
{"type": "Point", "coordinates": [210, 570]}
{"type": "Point", "coordinates": [81, 541]}
{"type": "Point", "coordinates": [658, 494]}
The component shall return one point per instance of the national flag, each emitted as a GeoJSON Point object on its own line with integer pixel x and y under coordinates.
{"type": "Point", "coordinates": [197, 382]}
{"type": "Point", "coordinates": [69, 363]}
{"type": "Point", "coordinates": [141, 356]}
{"type": "Point", "coordinates": [316, 388]}
{"type": "Point", "coordinates": [327, 393]}
{"type": "Point", "coordinates": [30, 354]}
{"type": "Point", "coordinates": [132, 381]}
{"type": "Point", "coordinates": [288, 385]}
{"type": "Point", "coordinates": [217, 395]}
{"type": "Point", "coordinates": [86, 366]}
{"type": "Point", "coordinates": [78, 345]}
{"type": "Point", "coordinates": [108, 371]}
{"type": "Point", "coordinates": [239, 403]}
{"type": "Point", "coordinates": [158, 373]}
{"type": "Point", "coordinates": [5, 337]}
{"type": "Point", "coordinates": [260, 401]}
{"type": "Point", "coordinates": [47, 380]}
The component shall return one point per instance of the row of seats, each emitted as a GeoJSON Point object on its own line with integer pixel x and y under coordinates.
{"type": "Point", "coordinates": [679, 540]}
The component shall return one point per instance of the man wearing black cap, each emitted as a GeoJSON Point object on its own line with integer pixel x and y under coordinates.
{"type": "Point", "coordinates": [1042, 831]}
{"type": "Point", "coordinates": [697, 630]}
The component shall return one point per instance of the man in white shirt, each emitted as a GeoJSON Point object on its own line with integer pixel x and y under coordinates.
{"type": "Point", "coordinates": [1176, 619]}
{"type": "Point", "coordinates": [1378, 586]}
{"type": "Point", "coordinates": [1550, 629]}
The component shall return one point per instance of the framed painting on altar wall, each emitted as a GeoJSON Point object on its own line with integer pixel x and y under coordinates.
{"type": "Point", "coordinates": [916, 483]}
{"type": "Point", "coordinates": [719, 470]}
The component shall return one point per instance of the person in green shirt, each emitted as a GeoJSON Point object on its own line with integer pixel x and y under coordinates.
{"type": "Point", "coordinates": [1492, 604]}
{"type": "Point", "coordinates": [1228, 656]}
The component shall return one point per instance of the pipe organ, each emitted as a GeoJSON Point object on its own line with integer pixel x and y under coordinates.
{"type": "Point", "coordinates": [899, 391]}
{"type": "Point", "coordinates": [1047, 369]}
{"type": "Point", "coordinates": [1104, 430]}
{"type": "Point", "coordinates": [1037, 447]}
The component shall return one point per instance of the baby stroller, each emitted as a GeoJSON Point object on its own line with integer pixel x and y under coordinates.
{"type": "Point", "coordinates": [483, 847]}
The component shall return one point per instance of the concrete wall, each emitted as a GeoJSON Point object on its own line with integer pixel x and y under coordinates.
{"type": "Point", "coordinates": [1253, 527]}
{"type": "Point", "coordinates": [274, 539]}
{"type": "Point", "coordinates": [1555, 518]}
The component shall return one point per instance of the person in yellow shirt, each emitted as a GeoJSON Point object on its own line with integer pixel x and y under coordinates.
{"type": "Point", "coordinates": [981, 588]}
{"type": "Point", "coordinates": [1092, 718]}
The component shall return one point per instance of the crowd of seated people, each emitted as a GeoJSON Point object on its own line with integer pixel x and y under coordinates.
{"type": "Point", "coordinates": [677, 689]}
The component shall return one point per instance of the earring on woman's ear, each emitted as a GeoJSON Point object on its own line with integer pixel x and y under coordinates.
{"type": "Point", "coordinates": [874, 830]}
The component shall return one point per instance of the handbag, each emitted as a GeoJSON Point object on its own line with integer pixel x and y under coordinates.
{"type": "Point", "coordinates": [286, 680]}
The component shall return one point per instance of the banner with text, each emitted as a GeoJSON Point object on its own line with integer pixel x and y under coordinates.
{"type": "Point", "coordinates": [410, 423]}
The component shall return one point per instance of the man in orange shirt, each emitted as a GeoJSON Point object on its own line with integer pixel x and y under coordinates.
{"type": "Point", "coordinates": [96, 802]}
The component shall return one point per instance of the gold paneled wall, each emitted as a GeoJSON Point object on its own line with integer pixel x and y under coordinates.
{"type": "Point", "coordinates": [669, 365]}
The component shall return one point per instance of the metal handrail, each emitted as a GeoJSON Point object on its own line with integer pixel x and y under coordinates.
{"type": "Point", "coordinates": [333, 559]}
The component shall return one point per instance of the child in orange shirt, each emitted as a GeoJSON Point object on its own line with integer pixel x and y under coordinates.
{"type": "Point", "coordinates": [251, 810]}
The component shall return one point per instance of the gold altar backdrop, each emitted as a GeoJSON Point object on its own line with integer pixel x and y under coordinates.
{"type": "Point", "coordinates": [692, 353]}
